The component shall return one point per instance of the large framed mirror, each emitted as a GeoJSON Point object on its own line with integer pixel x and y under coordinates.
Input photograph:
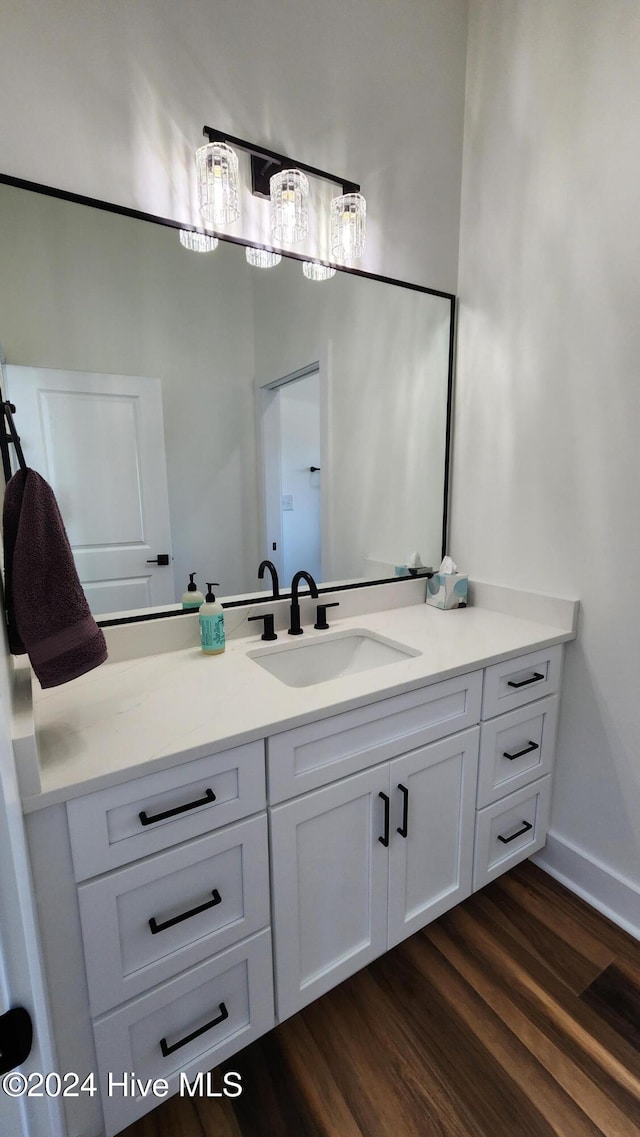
{"type": "Point", "coordinates": [245, 413]}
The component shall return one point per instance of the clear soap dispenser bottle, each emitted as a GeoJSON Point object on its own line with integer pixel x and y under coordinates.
{"type": "Point", "coordinates": [192, 598]}
{"type": "Point", "coordinates": [211, 617]}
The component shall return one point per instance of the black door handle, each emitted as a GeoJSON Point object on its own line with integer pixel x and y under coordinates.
{"type": "Point", "coordinates": [526, 826]}
{"type": "Point", "coordinates": [166, 1050]}
{"type": "Point", "coordinates": [146, 820]}
{"type": "Point", "coordinates": [155, 927]}
{"type": "Point", "coordinates": [525, 682]}
{"type": "Point", "coordinates": [161, 559]}
{"type": "Point", "coordinates": [403, 829]}
{"type": "Point", "coordinates": [384, 840]}
{"type": "Point", "coordinates": [16, 1037]}
{"type": "Point", "coordinates": [527, 750]}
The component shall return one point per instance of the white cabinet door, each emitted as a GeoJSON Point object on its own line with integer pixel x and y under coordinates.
{"type": "Point", "coordinates": [330, 874]}
{"type": "Point", "coordinates": [433, 793]}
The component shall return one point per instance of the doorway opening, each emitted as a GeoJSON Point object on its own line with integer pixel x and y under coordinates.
{"type": "Point", "coordinates": [291, 411]}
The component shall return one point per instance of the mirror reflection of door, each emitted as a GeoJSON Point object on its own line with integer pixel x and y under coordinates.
{"type": "Point", "coordinates": [292, 473]}
{"type": "Point", "coordinates": [99, 442]}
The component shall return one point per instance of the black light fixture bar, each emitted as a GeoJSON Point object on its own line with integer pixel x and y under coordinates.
{"type": "Point", "coordinates": [265, 163]}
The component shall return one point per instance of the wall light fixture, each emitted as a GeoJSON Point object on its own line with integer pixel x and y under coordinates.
{"type": "Point", "coordinates": [262, 258]}
{"type": "Point", "coordinates": [198, 242]}
{"type": "Point", "coordinates": [286, 183]}
{"type": "Point", "coordinates": [313, 270]}
{"type": "Point", "coordinates": [217, 166]}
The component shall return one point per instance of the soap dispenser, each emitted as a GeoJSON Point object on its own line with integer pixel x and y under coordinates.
{"type": "Point", "coordinates": [192, 598]}
{"type": "Point", "coordinates": [211, 617]}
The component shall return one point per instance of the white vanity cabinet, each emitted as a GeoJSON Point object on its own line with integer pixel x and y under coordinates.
{"type": "Point", "coordinates": [172, 895]}
{"type": "Point", "coordinates": [369, 858]}
{"type": "Point", "coordinates": [347, 883]}
{"type": "Point", "coordinates": [158, 895]}
{"type": "Point", "coordinates": [362, 863]}
{"type": "Point", "coordinates": [517, 746]}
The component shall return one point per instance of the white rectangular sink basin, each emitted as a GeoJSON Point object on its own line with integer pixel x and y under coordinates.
{"type": "Point", "coordinates": [340, 653]}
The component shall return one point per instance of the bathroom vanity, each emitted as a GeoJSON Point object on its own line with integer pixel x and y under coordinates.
{"type": "Point", "coordinates": [213, 847]}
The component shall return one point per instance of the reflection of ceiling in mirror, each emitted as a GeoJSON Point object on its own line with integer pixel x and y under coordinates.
{"type": "Point", "coordinates": [88, 290]}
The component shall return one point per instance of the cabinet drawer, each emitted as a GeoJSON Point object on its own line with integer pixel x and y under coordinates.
{"type": "Point", "coordinates": [516, 748]}
{"type": "Point", "coordinates": [149, 921]}
{"type": "Point", "coordinates": [313, 755]}
{"type": "Point", "coordinates": [514, 682]}
{"type": "Point", "coordinates": [511, 830]}
{"type": "Point", "coordinates": [202, 1017]}
{"type": "Point", "coordinates": [145, 815]}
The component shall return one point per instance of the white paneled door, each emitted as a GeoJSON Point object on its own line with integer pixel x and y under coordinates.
{"type": "Point", "coordinates": [99, 442]}
{"type": "Point", "coordinates": [330, 875]}
{"type": "Point", "coordinates": [433, 794]}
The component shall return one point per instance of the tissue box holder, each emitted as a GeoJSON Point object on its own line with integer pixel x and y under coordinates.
{"type": "Point", "coordinates": [447, 589]}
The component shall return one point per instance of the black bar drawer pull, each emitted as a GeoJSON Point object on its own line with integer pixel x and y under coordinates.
{"type": "Point", "coordinates": [166, 1050]}
{"type": "Point", "coordinates": [146, 820]}
{"type": "Point", "coordinates": [527, 750]}
{"type": "Point", "coordinates": [385, 839]}
{"type": "Point", "coordinates": [526, 826]}
{"type": "Point", "coordinates": [525, 682]}
{"type": "Point", "coordinates": [403, 829]}
{"type": "Point", "coordinates": [155, 927]}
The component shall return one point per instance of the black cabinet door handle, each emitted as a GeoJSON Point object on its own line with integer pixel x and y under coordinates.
{"type": "Point", "coordinates": [527, 750]}
{"type": "Point", "coordinates": [384, 840]}
{"type": "Point", "coordinates": [403, 829]}
{"type": "Point", "coordinates": [146, 820]}
{"type": "Point", "coordinates": [166, 1050]}
{"type": "Point", "coordinates": [525, 682]}
{"type": "Point", "coordinates": [526, 826]}
{"type": "Point", "coordinates": [155, 927]}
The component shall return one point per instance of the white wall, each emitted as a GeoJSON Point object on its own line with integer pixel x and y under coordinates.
{"type": "Point", "coordinates": [547, 428]}
{"type": "Point", "coordinates": [109, 97]}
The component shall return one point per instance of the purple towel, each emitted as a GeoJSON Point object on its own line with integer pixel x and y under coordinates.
{"type": "Point", "coordinates": [47, 611]}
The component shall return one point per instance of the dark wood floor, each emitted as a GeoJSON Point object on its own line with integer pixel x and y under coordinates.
{"type": "Point", "coordinates": [515, 1015]}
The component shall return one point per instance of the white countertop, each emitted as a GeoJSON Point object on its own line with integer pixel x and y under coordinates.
{"type": "Point", "coordinates": [130, 718]}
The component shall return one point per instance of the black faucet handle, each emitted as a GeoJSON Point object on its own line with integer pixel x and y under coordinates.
{"type": "Point", "coordinates": [321, 615]}
{"type": "Point", "coordinates": [268, 633]}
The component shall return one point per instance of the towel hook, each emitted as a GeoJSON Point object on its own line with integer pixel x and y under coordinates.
{"type": "Point", "coordinates": [8, 410]}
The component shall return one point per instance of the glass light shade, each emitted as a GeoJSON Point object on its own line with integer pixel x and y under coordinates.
{"type": "Point", "coordinates": [289, 206]}
{"type": "Point", "coordinates": [217, 166]}
{"type": "Point", "coordinates": [348, 226]}
{"type": "Point", "coordinates": [314, 271]}
{"type": "Point", "coordinates": [198, 242]}
{"type": "Point", "coordinates": [260, 258]}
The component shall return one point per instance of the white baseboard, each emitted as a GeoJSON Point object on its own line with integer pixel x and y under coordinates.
{"type": "Point", "coordinates": [611, 894]}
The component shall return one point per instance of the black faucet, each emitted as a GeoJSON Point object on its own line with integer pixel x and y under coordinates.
{"type": "Point", "coordinates": [274, 577]}
{"type": "Point", "coordinates": [295, 629]}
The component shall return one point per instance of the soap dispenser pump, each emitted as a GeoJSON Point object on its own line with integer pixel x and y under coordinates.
{"type": "Point", "coordinates": [211, 617]}
{"type": "Point", "coordinates": [192, 598]}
